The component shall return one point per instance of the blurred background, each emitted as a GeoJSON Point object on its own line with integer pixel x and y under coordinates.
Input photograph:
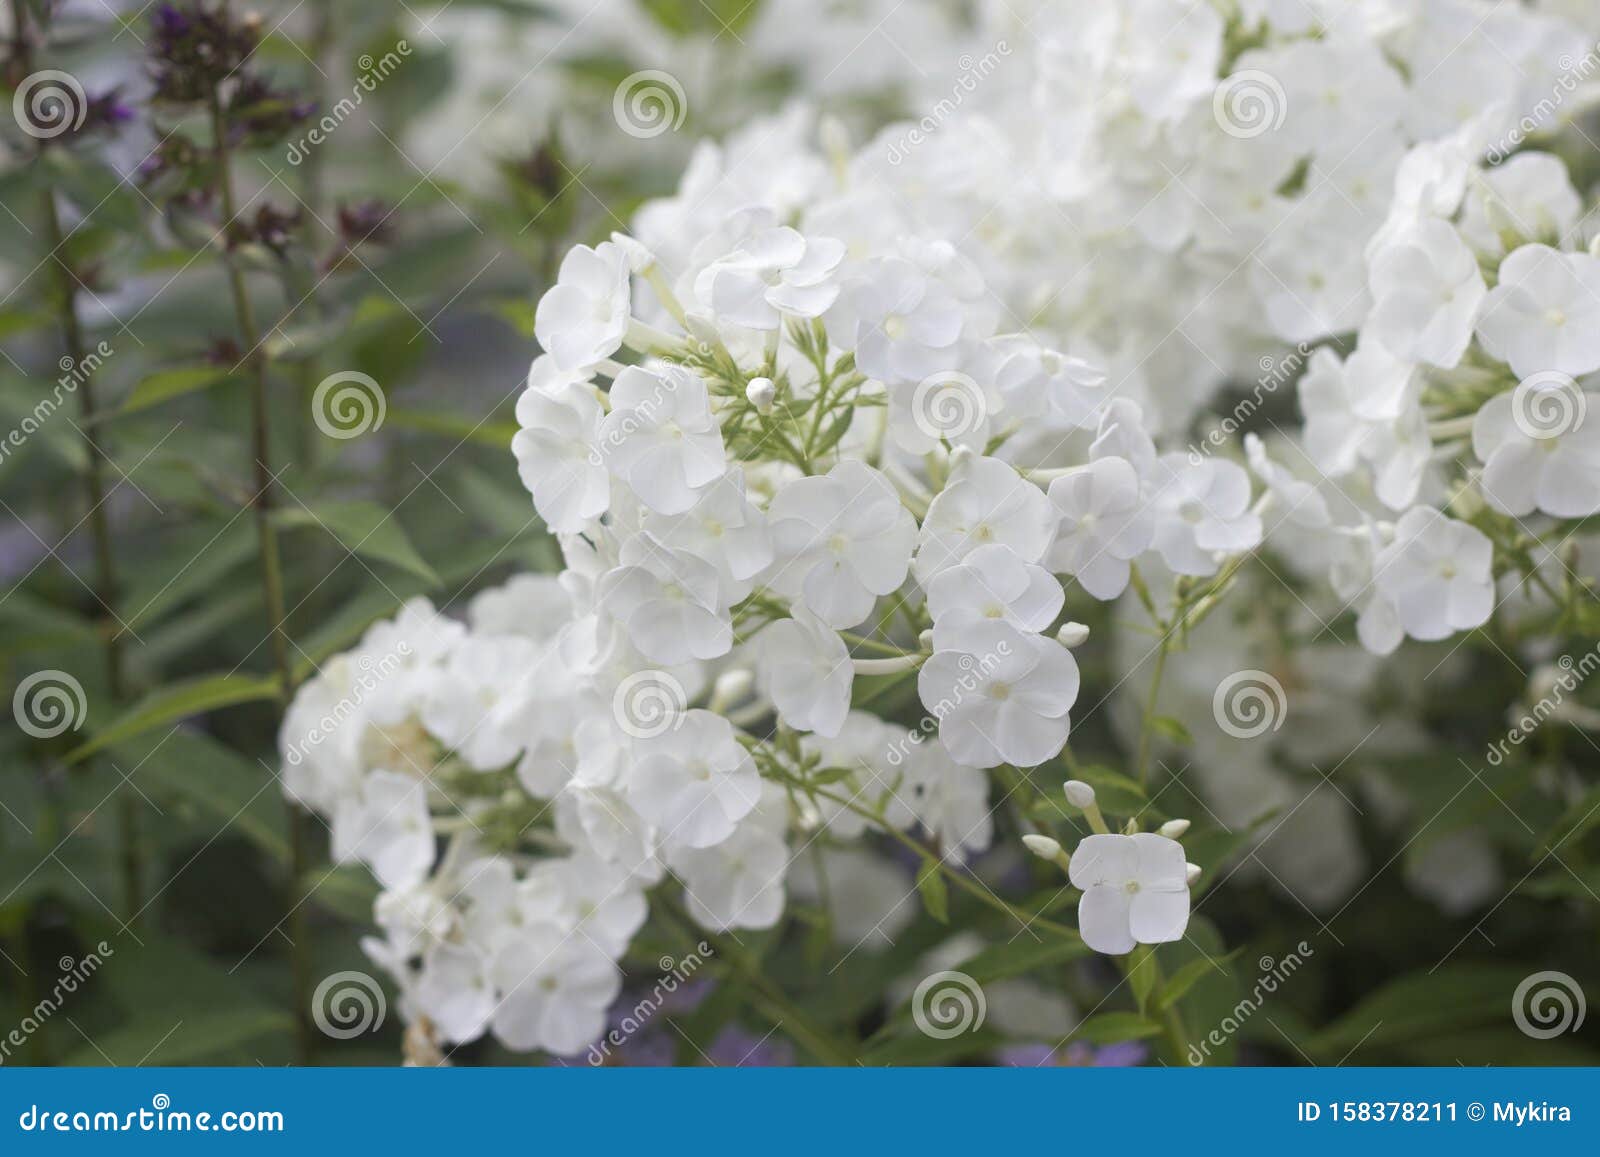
{"type": "Point", "coordinates": [339, 365]}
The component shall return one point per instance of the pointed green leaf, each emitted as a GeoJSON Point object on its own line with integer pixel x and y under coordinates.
{"type": "Point", "coordinates": [179, 701]}
{"type": "Point", "coordinates": [364, 528]}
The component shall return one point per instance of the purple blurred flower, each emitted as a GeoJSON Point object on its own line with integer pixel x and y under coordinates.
{"type": "Point", "coordinates": [1122, 1055]}
{"type": "Point", "coordinates": [737, 1048]}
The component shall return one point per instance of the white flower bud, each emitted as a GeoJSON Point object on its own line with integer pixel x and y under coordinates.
{"type": "Point", "coordinates": [1079, 794]}
{"type": "Point", "coordinates": [761, 393]}
{"type": "Point", "coordinates": [925, 640]}
{"type": "Point", "coordinates": [1191, 873]}
{"type": "Point", "coordinates": [1073, 635]}
{"type": "Point", "coordinates": [834, 137]}
{"type": "Point", "coordinates": [639, 258]}
{"type": "Point", "coordinates": [1173, 829]}
{"type": "Point", "coordinates": [732, 686]}
{"type": "Point", "coordinates": [1042, 846]}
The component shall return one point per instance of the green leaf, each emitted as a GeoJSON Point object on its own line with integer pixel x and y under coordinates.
{"type": "Point", "coordinates": [179, 701]}
{"type": "Point", "coordinates": [174, 1039]}
{"type": "Point", "coordinates": [164, 385]}
{"type": "Point", "coordinates": [363, 528]}
{"type": "Point", "coordinates": [1172, 728]}
{"type": "Point", "coordinates": [1023, 955]}
{"type": "Point", "coordinates": [233, 793]}
{"type": "Point", "coordinates": [1181, 981]}
{"type": "Point", "coordinates": [1111, 1027]}
{"type": "Point", "coordinates": [935, 893]}
{"type": "Point", "coordinates": [349, 892]}
{"type": "Point", "coordinates": [1141, 972]}
{"type": "Point", "coordinates": [496, 435]}
{"type": "Point", "coordinates": [1423, 1004]}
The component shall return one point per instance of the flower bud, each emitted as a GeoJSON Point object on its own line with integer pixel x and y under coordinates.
{"type": "Point", "coordinates": [1042, 846]}
{"type": "Point", "coordinates": [761, 393]}
{"type": "Point", "coordinates": [1173, 829]}
{"type": "Point", "coordinates": [1079, 794]}
{"type": "Point", "coordinates": [1072, 635]}
{"type": "Point", "coordinates": [639, 258]}
{"type": "Point", "coordinates": [1191, 873]}
{"type": "Point", "coordinates": [731, 687]}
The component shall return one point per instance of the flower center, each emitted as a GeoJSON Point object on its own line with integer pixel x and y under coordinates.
{"type": "Point", "coordinates": [894, 327]}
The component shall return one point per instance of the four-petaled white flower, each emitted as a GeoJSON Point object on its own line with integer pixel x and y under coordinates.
{"type": "Point", "coordinates": [556, 458]}
{"type": "Point", "coordinates": [992, 583]}
{"type": "Point", "coordinates": [1545, 313]}
{"type": "Point", "coordinates": [1000, 695]}
{"type": "Point", "coordinates": [1437, 574]}
{"type": "Point", "coordinates": [661, 437]}
{"type": "Point", "coordinates": [1558, 474]}
{"type": "Point", "coordinates": [1135, 891]}
{"type": "Point", "coordinates": [1105, 523]}
{"type": "Point", "coordinates": [694, 781]}
{"type": "Point", "coordinates": [584, 316]}
{"type": "Point", "coordinates": [841, 540]}
{"type": "Point", "coordinates": [806, 672]}
{"type": "Point", "coordinates": [773, 273]}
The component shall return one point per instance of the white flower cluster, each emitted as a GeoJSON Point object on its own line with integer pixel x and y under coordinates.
{"type": "Point", "coordinates": [1175, 187]}
{"type": "Point", "coordinates": [1465, 388]}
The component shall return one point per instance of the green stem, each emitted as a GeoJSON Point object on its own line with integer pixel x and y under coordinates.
{"type": "Point", "coordinates": [271, 572]}
{"type": "Point", "coordinates": [106, 586]}
{"type": "Point", "coordinates": [1147, 721]}
{"type": "Point", "coordinates": [766, 996]}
